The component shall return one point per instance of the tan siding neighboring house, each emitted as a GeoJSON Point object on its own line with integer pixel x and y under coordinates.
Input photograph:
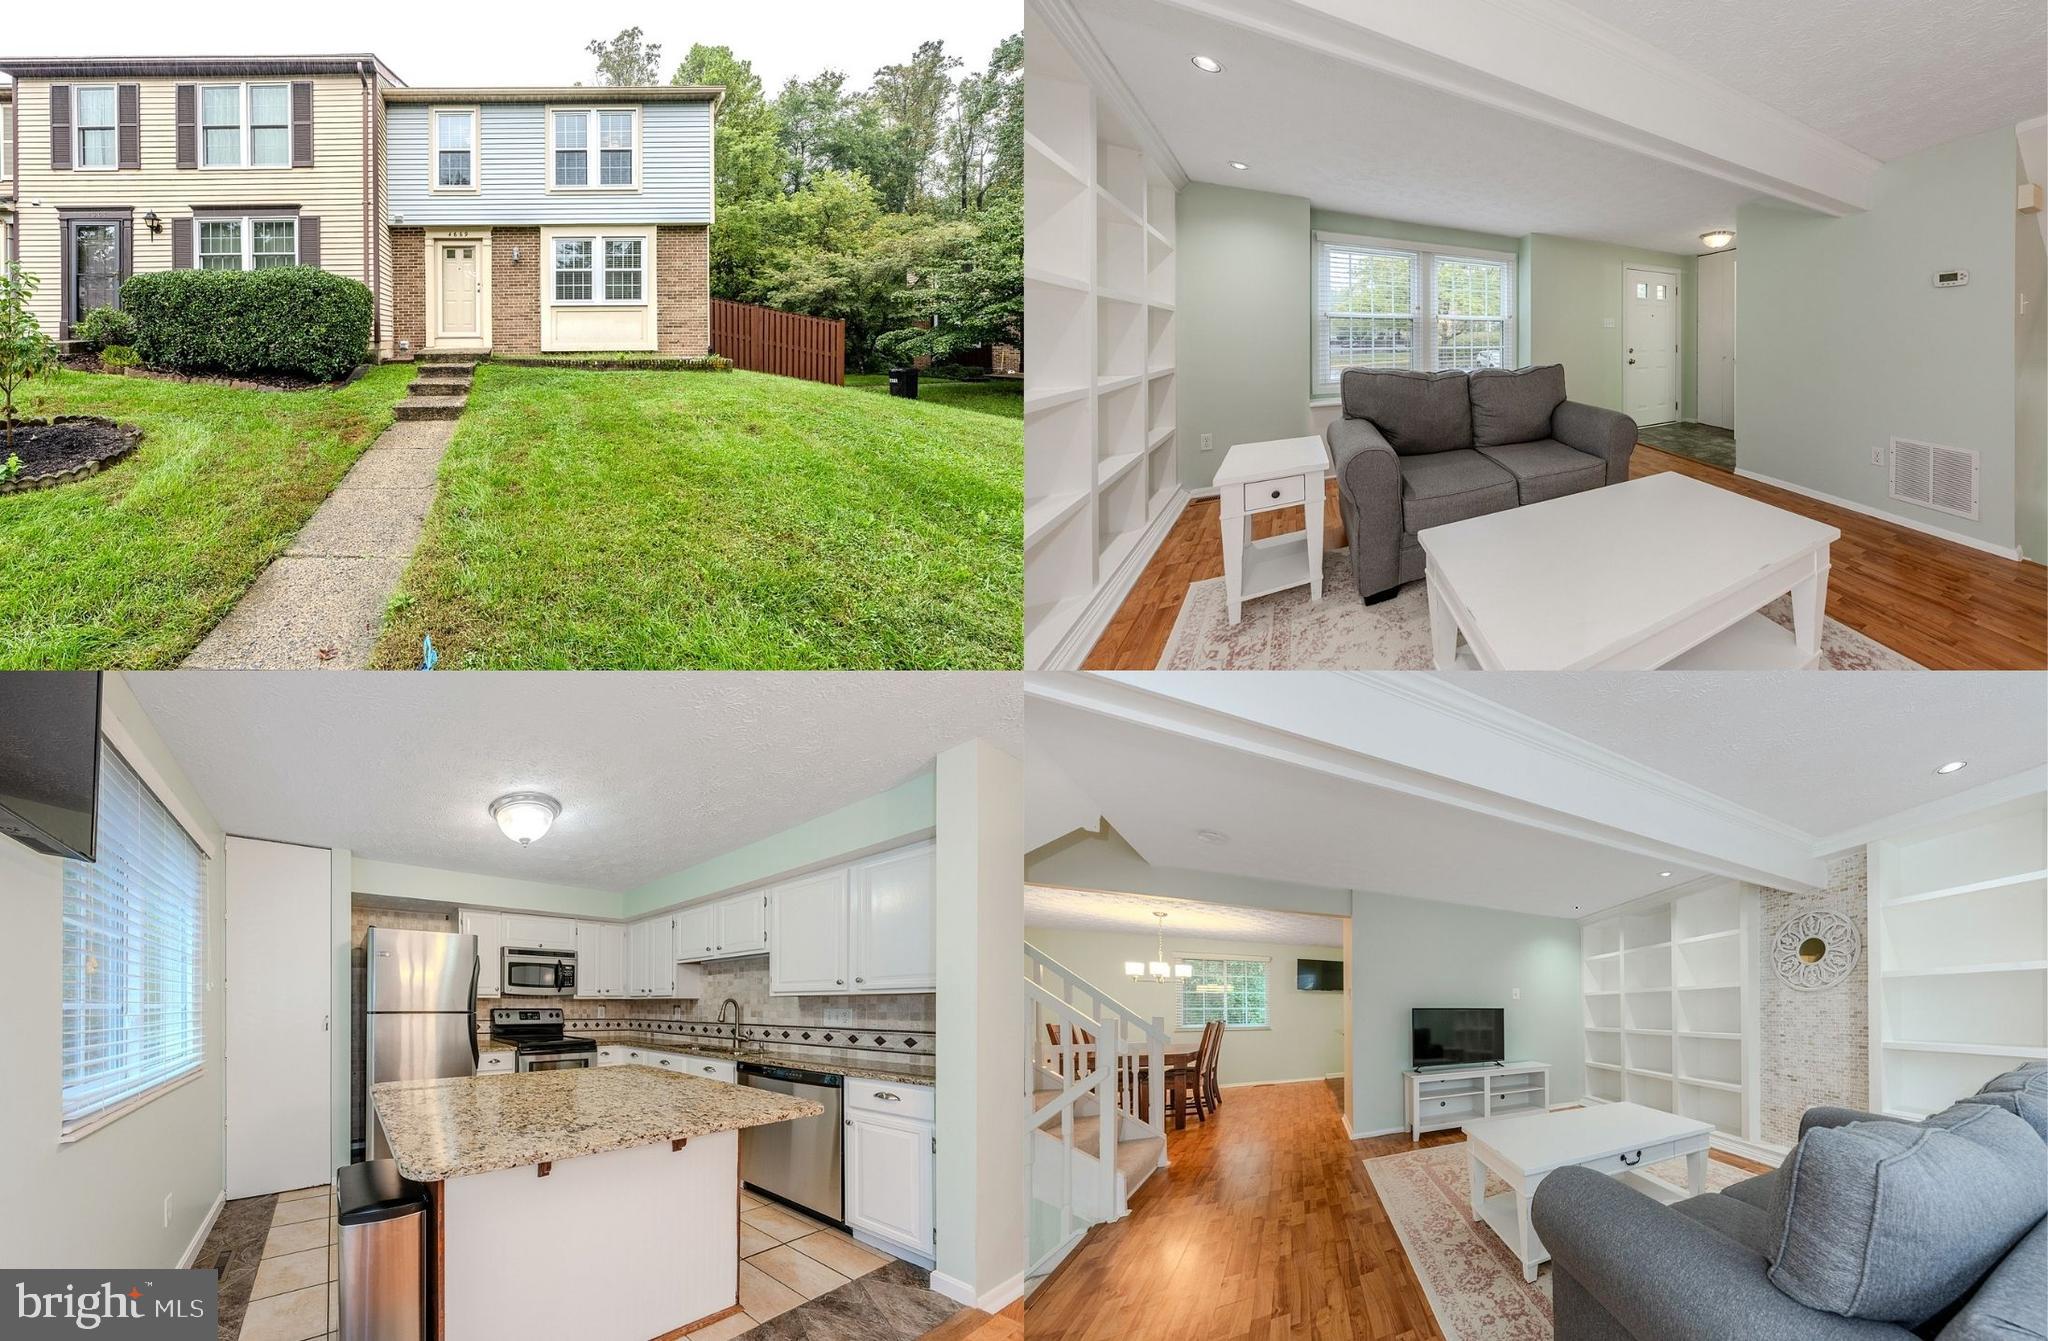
{"type": "Point", "coordinates": [6, 176]}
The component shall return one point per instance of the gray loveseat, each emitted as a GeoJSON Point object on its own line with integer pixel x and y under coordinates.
{"type": "Point", "coordinates": [1873, 1229]}
{"type": "Point", "coordinates": [1414, 450]}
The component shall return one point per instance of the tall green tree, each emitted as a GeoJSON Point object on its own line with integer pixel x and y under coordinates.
{"type": "Point", "coordinates": [809, 113]}
{"type": "Point", "coordinates": [971, 297]}
{"type": "Point", "coordinates": [910, 100]}
{"type": "Point", "coordinates": [627, 60]}
{"type": "Point", "coordinates": [747, 135]}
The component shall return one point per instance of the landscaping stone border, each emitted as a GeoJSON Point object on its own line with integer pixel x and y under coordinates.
{"type": "Point", "coordinates": [130, 438]}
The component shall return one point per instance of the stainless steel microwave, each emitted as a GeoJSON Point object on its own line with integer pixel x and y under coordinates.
{"type": "Point", "coordinates": [537, 972]}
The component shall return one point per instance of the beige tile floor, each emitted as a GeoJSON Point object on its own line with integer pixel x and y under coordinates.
{"type": "Point", "coordinates": [294, 1298]}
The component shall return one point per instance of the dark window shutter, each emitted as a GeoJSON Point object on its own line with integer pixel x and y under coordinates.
{"type": "Point", "coordinates": [181, 244]}
{"type": "Point", "coordinates": [309, 239]}
{"type": "Point", "coordinates": [60, 127]}
{"type": "Point", "coordinates": [129, 99]}
{"type": "Point", "coordinates": [188, 125]}
{"type": "Point", "coordinates": [302, 124]}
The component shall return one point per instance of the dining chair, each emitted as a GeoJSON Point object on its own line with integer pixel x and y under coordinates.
{"type": "Point", "coordinates": [1210, 1065]}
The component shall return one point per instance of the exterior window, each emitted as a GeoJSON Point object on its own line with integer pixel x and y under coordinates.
{"type": "Point", "coordinates": [572, 149]}
{"type": "Point", "coordinates": [220, 245]}
{"type": "Point", "coordinates": [1240, 1005]}
{"type": "Point", "coordinates": [615, 148]}
{"type": "Point", "coordinates": [622, 270]}
{"type": "Point", "coordinates": [1381, 304]}
{"type": "Point", "coordinates": [220, 125]}
{"type": "Point", "coordinates": [1471, 313]}
{"type": "Point", "coordinates": [273, 242]}
{"type": "Point", "coordinates": [455, 150]}
{"type": "Point", "coordinates": [572, 270]}
{"type": "Point", "coordinates": [247, 244]}
{"type": "Point", "coordinates": [97, 120]}
{"type": "Point", "coordinates": [270, 125]}
{"type": "Point", "coordinates": [610, 135]}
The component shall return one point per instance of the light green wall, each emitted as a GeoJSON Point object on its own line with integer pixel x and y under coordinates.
{"type": "Point", "coordinates": [899, 815]}
{"type": "Point", "coordinates": [1394, 230]}
{"type": "Point", "coordinates": [1241, 347]}
{"type": "Point", "coordinates": [2030, 389]}
{"type": "Point", "coordinates": [1846, 343]}
{"type": "Point", "coordinates": [395, 880]}
{"type": "Point", "coordinates": [1415, 952]}
{"type": "Point", "coordinates": [1573, 289]}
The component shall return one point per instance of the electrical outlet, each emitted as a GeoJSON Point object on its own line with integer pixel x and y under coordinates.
{"type": "Point", "coordinates": [1208, 442]}
{"type": "Point", "coordinates": [1877, 456]}
{"type": "Point", "coordinates": [838, 1015]}
{"type": "Point", "coordinates": [167, 1210]}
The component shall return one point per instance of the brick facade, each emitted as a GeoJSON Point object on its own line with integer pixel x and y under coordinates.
{"type": "Point", "coordinates": [408, 291]}
{"type": "Point", "coordinates": [682, 287]}
{"type": "Point", "coordinates": [515, 290]}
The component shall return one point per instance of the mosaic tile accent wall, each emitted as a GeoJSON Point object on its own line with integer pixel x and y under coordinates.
{"type": "Point", "coordinates": [1814, 1046]}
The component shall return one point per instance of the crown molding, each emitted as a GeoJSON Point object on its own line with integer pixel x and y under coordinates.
{"type": "Point", "coordinates": [1064, 19]}
{"type": "Point", "coordinates": [2032, 782]}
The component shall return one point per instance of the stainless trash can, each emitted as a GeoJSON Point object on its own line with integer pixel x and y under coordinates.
{"type": "Point", "coordinates": [383, 1235]}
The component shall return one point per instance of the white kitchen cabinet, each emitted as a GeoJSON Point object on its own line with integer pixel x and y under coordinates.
{"type": "Point", "coordinates": [611, 1056]}
{"type": "Point", "coordinates": [807, 926]}
{"type": "Point", "coordinates": [713, 1069]}
{"type": "Point", "coordinates": [496, 1063]}
{"type": "Point", "coordinates": [742, 925]}
{"type": "Point", "coordinates": [696, 932]}
{"type": "Point", "coordinates": [488, 928]}
{"type": "Point", "coordinates": [600, 959]}
{"type": "Point", "coordinates": [527, 931]}
{"type": "Point", "coordinates": [636, 979]}
{"type": "Point", "coordinates": [894, 921]}
{"type": "Point", "coordinates": [889, 1167]}
{"type": "Point", "coordinates": [661, 956]}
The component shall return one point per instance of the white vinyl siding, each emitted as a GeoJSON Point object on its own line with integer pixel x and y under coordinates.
{"type": "Point", "coordinates": [98, 120]}
{"type": "Point", "coordinates": [134, 956]}
{"type": "Point", "coordinates": [1391, 304]}
{"type": "Point", "coordinates": [247, 244]}
{"type": "Point", "coordinates": [1243, 1006]}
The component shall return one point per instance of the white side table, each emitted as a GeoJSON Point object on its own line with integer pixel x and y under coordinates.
{"type": "Point", "coordinates": [1260, 477]}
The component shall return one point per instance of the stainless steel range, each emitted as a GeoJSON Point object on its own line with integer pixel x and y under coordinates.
{"type": "Point", "coordinates": [536, 1031]}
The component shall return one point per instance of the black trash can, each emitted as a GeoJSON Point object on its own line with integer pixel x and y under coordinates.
{"type": "Point", "coordinates": [383, 1236]}
{"type": "Point", "coordinates": [903, 382]}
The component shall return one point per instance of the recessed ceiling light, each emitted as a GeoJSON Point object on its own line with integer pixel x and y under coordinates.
{"type": "Point", "coordinates": [1212, 836]}
{"type": "Point", "coordinates": [1241, 167]}
{"type": "Point", "coordinates": [1953, 766]}
{"type": "Point", "coordinates": [1665, 874]}
{"type": "Point", "coordinates": [1207, 64]}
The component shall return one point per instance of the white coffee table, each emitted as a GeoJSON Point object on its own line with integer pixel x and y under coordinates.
{"type": "Point", "coordinates": [1613, 1138]}
{"type": "Point", "coordinates": [1660, 571]}
{"type": "Point", "coordinates": [1261, 477]}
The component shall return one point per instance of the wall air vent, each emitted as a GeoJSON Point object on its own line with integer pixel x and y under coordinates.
{"type": "Point", "coordinates": [1941, 478]}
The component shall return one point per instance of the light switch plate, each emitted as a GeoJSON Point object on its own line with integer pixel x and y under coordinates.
{"type": "Point", "coordinates": [1208, 442]}
{"type": "Point", "coordinates": [838, 1015]}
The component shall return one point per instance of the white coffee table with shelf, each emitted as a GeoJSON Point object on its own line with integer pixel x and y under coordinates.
{"type": "Point", "coordinates": [1260, 477]}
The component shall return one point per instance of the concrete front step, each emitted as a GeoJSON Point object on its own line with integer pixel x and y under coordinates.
{"type": "Point", "coordinates": [469, 356]}
{"type": "Point", "coordinates": [430, 407]}
{"type": "Point", "coordinates": [439, 386]}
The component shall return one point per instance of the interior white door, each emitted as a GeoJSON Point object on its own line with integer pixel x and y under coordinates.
{"type": "Point", "coordinates": [1649, 375]}
{"type": "Point", "coordinates": [1715, 293]}
{"type": "Point", "coordinates": [279, 942]}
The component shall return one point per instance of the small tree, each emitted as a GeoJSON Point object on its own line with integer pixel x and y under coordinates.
{"type": "Point", "coordinates": [25, 351]}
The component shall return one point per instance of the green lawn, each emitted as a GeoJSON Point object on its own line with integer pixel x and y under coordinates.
{"type": "Point", "coordinates": [716, 520]}
{"type": "Point", "coordinates": [1004, 397]}
{"type": "Point", "coordinates": [132, 567]}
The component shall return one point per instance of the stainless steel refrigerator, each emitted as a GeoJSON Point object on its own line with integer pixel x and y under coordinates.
{"type": "Point", "coordinates": [420, 1013]}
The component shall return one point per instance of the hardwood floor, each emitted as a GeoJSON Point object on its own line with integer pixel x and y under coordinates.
{"type": "Point", "coordinates": [971, 1324]}
{"type": "Point", "coordinates": [1264, 1228]}
{"type": "Point", "coordinates": [1946, 606]}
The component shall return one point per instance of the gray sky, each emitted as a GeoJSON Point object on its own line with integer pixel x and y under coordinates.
{"type": "Point", "coordinates": [521, 42]}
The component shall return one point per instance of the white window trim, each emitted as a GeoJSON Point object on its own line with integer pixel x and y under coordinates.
{"type": "Point", "coordinates": [476, 151]}
{"type": "Point", "coordinates": [590, 113]}
{"type": "Point", "coordinates": [597, 269]}
{"type": "Point", "coordinates": [1328, 390]}
{"type": "Point", "coordinates": [247, 128]}
{"type": "Point", "coordinates": [247, 222]}
{"type": "Point", "coordinates": [78, 129]}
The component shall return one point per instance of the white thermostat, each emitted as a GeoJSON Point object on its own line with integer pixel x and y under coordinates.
{"type": "Point", "coordinates": [1951, 279]}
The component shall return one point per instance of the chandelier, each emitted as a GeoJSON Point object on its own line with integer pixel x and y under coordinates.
{"type": "Point", "coordinates": [1159, 969]}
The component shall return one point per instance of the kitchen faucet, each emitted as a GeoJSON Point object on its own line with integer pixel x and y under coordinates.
{"type": "Point", "coordinates": [735, 1046]}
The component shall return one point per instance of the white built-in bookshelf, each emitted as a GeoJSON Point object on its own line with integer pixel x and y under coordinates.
{"type": "Point", "coordinates": [1099, 458]}
{"type": "Point", "coordinates": [1959, 935]}
{"type": "Point", "coordinates": [1670, 997]}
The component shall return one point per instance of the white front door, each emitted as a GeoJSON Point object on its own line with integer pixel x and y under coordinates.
{"type": "Point", "coordinates": [459, 289]}
{"type": "Point", "coordinates": [1649, 382]}
{"type": "Point", "coordinates": [1716, 294]}
{"type": "Point", "coordinates": [277, 1007]}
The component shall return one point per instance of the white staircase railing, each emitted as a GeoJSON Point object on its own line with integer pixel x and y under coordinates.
{"type": "Point", "coordinates": [1083, 1077]}
{"type": "Point", "coordinates": [1136, 1046]}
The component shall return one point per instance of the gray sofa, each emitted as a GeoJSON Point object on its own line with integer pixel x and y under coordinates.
{"type": "Point", "coordinates": [1872, 1228]}
{"type": "Point", "coordinates": [1414, 450]}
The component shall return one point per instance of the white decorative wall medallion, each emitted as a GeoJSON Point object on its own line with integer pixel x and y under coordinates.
{"type": "Point", "coordinates": [1815, 951]}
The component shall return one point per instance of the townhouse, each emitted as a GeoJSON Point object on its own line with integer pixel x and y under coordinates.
{"type": "Point", "coordinates": [6, 175]}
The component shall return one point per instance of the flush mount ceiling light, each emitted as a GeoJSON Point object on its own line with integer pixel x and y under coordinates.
{"type": "Point", "coordinates": [525, 816]}
{"type": "Point", "coordinates": [1665, 874]}
{"type": "Point", "coordinates": [1717, 238]}
{"type": "Point", "coordinates": [1207, 64]}
{"type": "Point", "coordinates": [1211, 836]}
{"type": "Point", "coordinates": [1953, 766]}
{"type": "Point", "coordinates": [1241, 167]}
{"type": "Point", "coordinates": [1160, 969]}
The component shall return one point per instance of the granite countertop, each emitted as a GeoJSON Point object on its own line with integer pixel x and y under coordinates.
{"type": "Point", "coordinates": [909, 1071]}
{"type": "Point", "coordinates": [442, 1129]}
{"type": "Point", "coordinates": [485, 1043]}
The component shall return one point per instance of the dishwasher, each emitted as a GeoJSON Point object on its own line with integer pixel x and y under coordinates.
{"type": "Point", "coordinates": [797, 1161]}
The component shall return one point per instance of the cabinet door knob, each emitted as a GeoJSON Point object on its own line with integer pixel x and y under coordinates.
{"type": "Point", "coordinates": [860, 979]}
{"type": "Point", "coordinates": [1276, 493]}
{"type": "Point", "coordinates": [839, 982]}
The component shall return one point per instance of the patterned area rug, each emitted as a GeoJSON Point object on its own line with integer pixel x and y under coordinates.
{"type": "Point", "coordinates": [1287, 631]}
{"type": "Point", "coordinates": [1472, 1279]}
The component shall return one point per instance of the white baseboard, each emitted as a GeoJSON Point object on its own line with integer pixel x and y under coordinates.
{"type": "Point", "coordinates": [1073, 649]}
{"type": "Point", "coordinates": [1357, 1135]}
{"type": "Point", "coordinates": [1291, 1080]}
{"type": "Point", "coordinates": [882, 1245]}
{"type": "Point", "coordinates": [994, 1301]}
{"type": "Point", "coordinates": [1925, 528]}
{"type": "Point", "coordinates": [205, 1228]}
{"type": "Point", "coordinates": [1773, 1155]}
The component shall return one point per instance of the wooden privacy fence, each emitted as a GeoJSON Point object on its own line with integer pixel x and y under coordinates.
{"type": "Point", "coordinates": [761, 339]}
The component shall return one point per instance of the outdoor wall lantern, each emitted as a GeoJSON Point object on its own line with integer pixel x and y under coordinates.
{"type": "Point", "coordinates": [152, 223]}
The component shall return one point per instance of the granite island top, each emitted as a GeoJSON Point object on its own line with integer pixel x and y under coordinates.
{"type": "Point", "coordinates": [906, 1071]}
{"type": "Point", "coordinates": [441, 1129]}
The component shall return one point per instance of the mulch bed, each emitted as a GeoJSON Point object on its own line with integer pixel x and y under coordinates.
{"type": "Point", "coordinates": [262, 381]}
{"type": "Point", "coordinates": [69, 447]}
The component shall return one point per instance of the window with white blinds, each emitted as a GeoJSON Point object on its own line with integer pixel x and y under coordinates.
{"type": "Point", "coordinates": [134, 956]}
{"type": "Point", "coordinates": [1230, 990]}
{"type": "Point", "coordinates": [1387, 304]}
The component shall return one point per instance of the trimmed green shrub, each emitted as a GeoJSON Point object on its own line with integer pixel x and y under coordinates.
{"type": "Point", "coordinates": [284, 319]}
{"type": "Point", "coordinates": [105, 326]}
{"type": "Point", "coordinates": [119, 356]}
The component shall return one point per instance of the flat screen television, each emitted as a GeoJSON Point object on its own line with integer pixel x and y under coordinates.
{"type": "Point", "coordinates": [50, 760]}
{"type": "Point", "coordinates": [1319, 975]}
{"type": "Point", "coordinates": [1458, 1035]}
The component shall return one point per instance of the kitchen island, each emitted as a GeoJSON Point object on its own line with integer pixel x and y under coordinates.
{"type": "Point", "coordinates": [598, 1204]}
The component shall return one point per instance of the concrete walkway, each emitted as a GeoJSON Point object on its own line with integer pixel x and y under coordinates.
{"type": "Point", "coordinates": [320, 606]}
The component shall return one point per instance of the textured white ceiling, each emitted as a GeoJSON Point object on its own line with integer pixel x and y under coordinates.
{"type": "Point", "coordinates": [1887, 77]}
{"type": "Point", "coordinates": [1089, 910]}
{"type": "Point", "coordinates": [1318, 126]}
{"type": "Point", "coordinates": [655, 772]}
{"type": "Point", "coordinates": [1823, 753]}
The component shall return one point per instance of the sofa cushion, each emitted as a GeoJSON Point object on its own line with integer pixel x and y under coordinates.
{"type": "Point", "coordinates": [1748, 1225]}
{"type": "Point", "coordinates": [2023, 1093]}
{"type": "Point", "coordinates": [1450, 486]}
{"type": "Point", "coordinates": [1894, 1221]}
{"type": "Point", "coordinates": [1760, 1191]}
{"type": "Point", "coordinates": [1514, 405]}
{"type": "Point", "coordinates": [2012, 1303]}
{"type": "Point", "coordinates": [1416, 412]}
{"type": "Point", "coordinates": [1547, 468]}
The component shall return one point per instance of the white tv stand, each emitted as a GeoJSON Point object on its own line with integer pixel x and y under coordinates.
{"type": "Point", "coordinates": [1456, 1095]}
